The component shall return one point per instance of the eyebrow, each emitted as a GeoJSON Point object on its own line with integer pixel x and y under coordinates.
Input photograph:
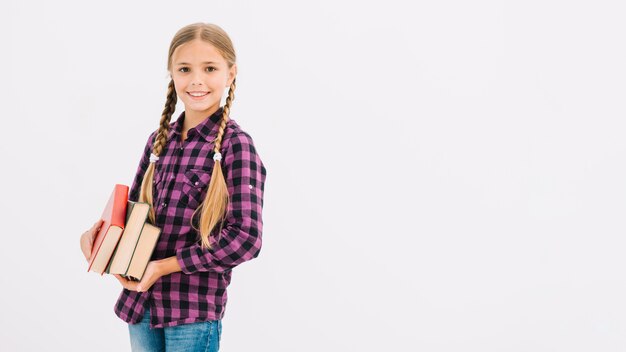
{"type": "Point", "coordinates": [206, 63]}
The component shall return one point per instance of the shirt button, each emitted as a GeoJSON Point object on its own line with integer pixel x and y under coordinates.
{"type": "Point", "coordinates": [196, 183]}
{"type": "Point", "coordinates": [163, 204]}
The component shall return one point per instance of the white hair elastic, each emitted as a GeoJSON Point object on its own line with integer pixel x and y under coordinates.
{"type": "Point", "coordinates": [217, 156]}
{"type": "Point", "coordinates": [153, 158]}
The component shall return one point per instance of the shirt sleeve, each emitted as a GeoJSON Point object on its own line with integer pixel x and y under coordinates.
{"type": "Point", "coordinates": [133, 194]}
{"type": "Point", "coordinates": [240, 239]}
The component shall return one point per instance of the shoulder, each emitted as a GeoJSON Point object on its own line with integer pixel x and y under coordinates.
{"type": "Point", "coordinates": [153, 134]}
{"type": "Point", "coordinates": [149, 143]}
{"type": "Point", "coordinates": [240, 154]}
{"type": "Point", "coordinates": [151, 137]}
{"type": "Point", "coordinates": [236, 137]}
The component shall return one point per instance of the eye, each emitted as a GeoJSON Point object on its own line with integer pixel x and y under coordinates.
{"type": "Point", "coordinates": [183, 69]}
{"type": "Point", "coordinates": [211, 68]}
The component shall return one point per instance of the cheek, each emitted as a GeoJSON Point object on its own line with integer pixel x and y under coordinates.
{"type": "Point", "coordinates": [218, 81]}
{"type": "Point", "coordinates": [179, 86]}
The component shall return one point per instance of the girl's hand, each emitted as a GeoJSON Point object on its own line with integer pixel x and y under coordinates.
{"type": "Point", "coordinates": [152, 274]}
{"type": "Point", "coordinates": [87, 238]}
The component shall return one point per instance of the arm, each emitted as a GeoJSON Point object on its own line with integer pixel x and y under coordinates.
{"type": "Point", "coordinates": [241, 235]}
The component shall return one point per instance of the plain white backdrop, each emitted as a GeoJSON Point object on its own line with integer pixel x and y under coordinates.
{"type": "Point", "coordinates": [442, 176]}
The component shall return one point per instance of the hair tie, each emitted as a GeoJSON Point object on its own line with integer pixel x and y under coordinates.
{"type": "Point", "coordinates": [217, 156]}
{"type": "Point", "coordinates": [153, 158]}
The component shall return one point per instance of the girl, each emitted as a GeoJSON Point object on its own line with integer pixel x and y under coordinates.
{"type": "Point", "coordinates": [204, 181]}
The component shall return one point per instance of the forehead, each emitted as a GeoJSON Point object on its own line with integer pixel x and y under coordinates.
{"type": "Point", "coordinates": [196, 52]}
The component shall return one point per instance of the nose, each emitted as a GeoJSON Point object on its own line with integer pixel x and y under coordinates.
{"type": "Point", "coordinates": [196, 81]}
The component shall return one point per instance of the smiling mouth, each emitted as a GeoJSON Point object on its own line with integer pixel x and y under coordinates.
{"type": "Point", "coordinates": [197, 94]}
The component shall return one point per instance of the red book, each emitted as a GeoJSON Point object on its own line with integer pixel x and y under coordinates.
{"type": "Point", "coordinates": [114, 217]}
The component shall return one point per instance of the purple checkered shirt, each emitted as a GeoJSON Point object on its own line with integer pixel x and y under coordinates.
{"type": "Point", "coordinates": [182, 174]}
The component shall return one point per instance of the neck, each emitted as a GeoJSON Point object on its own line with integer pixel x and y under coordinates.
{"type": "Point", "coordinates": [194, 117]}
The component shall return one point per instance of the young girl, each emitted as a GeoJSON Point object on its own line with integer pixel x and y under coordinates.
{"type": "Point", "coordinates": [204, 180]}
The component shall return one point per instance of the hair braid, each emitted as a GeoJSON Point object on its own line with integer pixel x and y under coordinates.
{"type": "Point", "coordinates": [160, 141]}
{"type": "Point", "coordinates": [215, 204]}
{"type": "Point", "coordinates": [225, 116]}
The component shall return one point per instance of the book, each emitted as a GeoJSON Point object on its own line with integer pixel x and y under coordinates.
{"type": "Point", "coordinates": [143, 251]}
{"type": "Point", "coordinates": [113, 221]}
{"type": "Point", "coordinates": [136, 216]}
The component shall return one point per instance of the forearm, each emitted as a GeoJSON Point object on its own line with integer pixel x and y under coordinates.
{"type": "Point", "coordinates": [237, 246]}
{"type": "Point", "coordinates": [168, 265]}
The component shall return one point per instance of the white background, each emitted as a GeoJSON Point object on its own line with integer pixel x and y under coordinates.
{"type": "Point", "coordinates": [442, 176]}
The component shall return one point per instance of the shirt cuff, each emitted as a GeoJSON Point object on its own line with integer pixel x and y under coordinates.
{"type": "Point", "coordinates": [188, 259]}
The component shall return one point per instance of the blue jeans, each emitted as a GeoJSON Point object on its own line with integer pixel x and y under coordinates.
{"type": "Point", "coordinates": [194, 337]}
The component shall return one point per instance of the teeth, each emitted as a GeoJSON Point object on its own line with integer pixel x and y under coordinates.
{"type": "Point", "coordinates": [195, 94]}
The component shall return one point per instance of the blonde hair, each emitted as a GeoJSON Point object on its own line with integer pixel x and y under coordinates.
{"type": "Point", "coordinates": [215, 204]}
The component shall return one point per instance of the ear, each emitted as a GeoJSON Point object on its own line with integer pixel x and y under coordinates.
{"type": "Point", "coordinates": [231, 75]}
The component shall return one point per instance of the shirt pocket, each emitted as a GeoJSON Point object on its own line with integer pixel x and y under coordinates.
{"type": "Point", "coordinates": [195, 186]}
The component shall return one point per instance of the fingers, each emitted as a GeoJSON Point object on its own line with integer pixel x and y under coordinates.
{"type": "Point", "coordinates": [127, 284]}
{"type": "Point", "coordinates": [96, 225]}
{"type": "Point", "coordinates": [86, 253]}
{"type": "Point", "coordinates": [94, 230]}
{"type": "Point", "coordinates": [120, 279]}
{"type": "Point", "coordinates": [88, 237]}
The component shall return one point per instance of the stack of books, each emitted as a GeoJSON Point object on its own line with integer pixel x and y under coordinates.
{"type": "Point", "coordinates": [126, 239]}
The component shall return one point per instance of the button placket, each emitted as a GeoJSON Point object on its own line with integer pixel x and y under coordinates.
{"type": "Point", "coordinates": [168, 179]}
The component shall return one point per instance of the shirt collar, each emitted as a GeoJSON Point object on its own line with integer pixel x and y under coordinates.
{"type": "Point", "coordinates": [207, 129]}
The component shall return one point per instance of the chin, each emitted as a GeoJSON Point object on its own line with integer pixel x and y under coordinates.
{"type": "Point", "coordinates": [199, 108]}
{"type": "Point", "coordinates": [198, 105]}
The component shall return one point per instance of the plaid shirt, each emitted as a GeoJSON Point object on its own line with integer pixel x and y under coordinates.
{"type": "Point", "coordinates": [181, 179]}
